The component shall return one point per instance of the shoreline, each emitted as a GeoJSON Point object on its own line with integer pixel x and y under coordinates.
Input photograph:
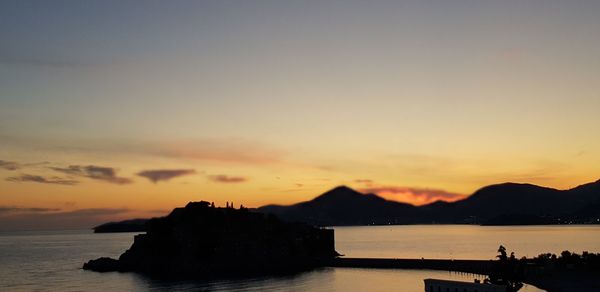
{"type": "Point", "coordinates": [557, 281]}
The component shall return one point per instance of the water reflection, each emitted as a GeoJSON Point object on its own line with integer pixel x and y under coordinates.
{"type": "Point", "coordinates": [327, 279]}
{"type": "Point", "coordinates": [51, 261]}
{"type": "Point", "coordinates": [463, 241]}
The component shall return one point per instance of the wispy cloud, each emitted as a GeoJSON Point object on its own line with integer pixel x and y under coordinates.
{"type": "Point", "coordinates": [9, 165]}
{"type": "Point", "coordinates": [107, 174]}
{"type": "Point", "coordinates": [213, 150]}
{"type": "Point", "coordinates": [40, 179]}
{"type": "Point", "coordinates": [14, 165]}
{"type": "Point", "coordinates": [157, 175]}
{"type": "Point", "coordinates": [13, 209]}
{"type": "Point", "coordinates": [227, 179]}
{"type": "Point", "coordinates": [97, 211]}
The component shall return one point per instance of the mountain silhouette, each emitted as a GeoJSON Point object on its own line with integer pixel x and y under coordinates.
{"type": "Point", "coordinates": [499, 204]}
{"type": "Point", "coordinates": [526, 199]}
{"type": "Point", "coordinates": [507, 203]}
{"type": "Point", "coordinates": [345, 206]}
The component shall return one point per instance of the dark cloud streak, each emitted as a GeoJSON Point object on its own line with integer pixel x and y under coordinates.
{"type": "Point", "coordinates": [227, 179]}
{"type": "Point", "coordinates": [41, 179]}
{"type": "Point", "coordinates": [11, 209]}
{"type": "Point", "coordinates": [107, 174]}
{"type": "Point", "coordinates": [157, 175]}
{"type": "Point", "coordinates": [9, 165]}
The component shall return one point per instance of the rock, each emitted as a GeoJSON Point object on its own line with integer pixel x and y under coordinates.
{"type": "Point", "coordinates": [102, 264]}
{"type": "Point", "coordinates": [203, 241]}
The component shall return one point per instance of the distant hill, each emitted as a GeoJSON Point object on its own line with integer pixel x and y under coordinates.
{"type": "Point", "coordinates": [133, 225]}
{"type": "Point", "coordinates": [501, 204]}
{"type": "Point", "coordinates": [345, 206]}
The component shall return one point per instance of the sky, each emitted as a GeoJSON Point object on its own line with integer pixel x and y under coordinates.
{"type": "Point", "coordinates": [119, 109]}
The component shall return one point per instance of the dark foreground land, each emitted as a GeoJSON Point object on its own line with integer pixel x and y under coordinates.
{"type": "Point", "coordinates": [201, 240]}
{"type": "Point", "coordinates": [544, 277]}
{"type": "Point", "coordinates": [482, 267]}
{"type": "Point", "coordinates": [500, 204]}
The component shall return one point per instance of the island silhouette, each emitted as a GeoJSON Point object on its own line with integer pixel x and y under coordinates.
{"type": "Point", "coordinates": [201, 240]}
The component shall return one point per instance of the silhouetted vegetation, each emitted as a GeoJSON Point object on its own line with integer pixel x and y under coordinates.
{"type": "Point", "coordinates": [508, 271]}
{"type": "Point", "coordinates": [569, 260]}
{"type": "Point", "coordinates": [512, 272]}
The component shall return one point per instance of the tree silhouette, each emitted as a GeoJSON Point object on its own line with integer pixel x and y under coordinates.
{"type": "Point", "coordinates": [502, 253]}
{"type": "Point", "coordinates": [506, 271]}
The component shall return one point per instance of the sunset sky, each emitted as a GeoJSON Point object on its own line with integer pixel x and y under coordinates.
{"type": "Point", "coordinates": [120, 109]}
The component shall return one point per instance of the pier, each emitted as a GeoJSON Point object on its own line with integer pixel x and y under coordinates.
{"type": "Point", "coordinates": [482, 267]}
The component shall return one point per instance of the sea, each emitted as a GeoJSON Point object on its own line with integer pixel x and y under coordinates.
{"type": "Point", "coordinates": [52, 260]}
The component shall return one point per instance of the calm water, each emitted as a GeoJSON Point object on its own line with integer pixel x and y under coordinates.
{"type": "Point", "coordinates": [464, 241]}
{"type": "Point", "coordinates": [51, 261]}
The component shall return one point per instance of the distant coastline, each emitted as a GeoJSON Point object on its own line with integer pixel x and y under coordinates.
{"type": "Point", "coordinates": [507, 204]}
{"type": "Point", "coordinates": [500, 204]}
{"type": "Point", "coordinates": [116, 227]}
{"type": "Point", "coordinates": [131, 225]}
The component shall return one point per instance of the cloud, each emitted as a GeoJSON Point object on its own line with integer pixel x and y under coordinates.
{"type": "Point", "coordinates": [107, 174]}
{"type": "Point", "coordinates": [227, 179]}
{"type": "Point", "coordinates": [96, 211]}
{"type": "Point", "coordinates": [40, 179]}
{"type": "Point", "coordinates": [9, 165]}
{"type": "Point", "coordinates": [12, 209]}
{"type": "Point", "coordinates": [212, 150]}
{"type": "Point", "coordinates": [417, 196]}
{"type": "Point", "coordinates": [13, 165]}
{"type": "Point", "coordinates": [157, 175]}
